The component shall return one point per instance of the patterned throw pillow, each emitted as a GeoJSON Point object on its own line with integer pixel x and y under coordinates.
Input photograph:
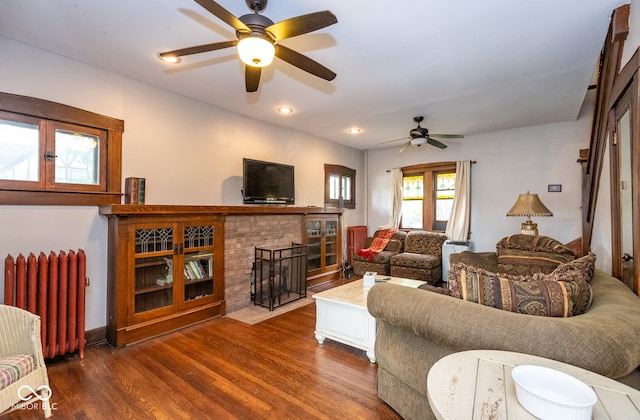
{"type": "Point", "coordinates": [531, 254]}
{"type": "Point", "coordinates": [578, 270]}
{"type": "Point", "coordinates": [541, 295]}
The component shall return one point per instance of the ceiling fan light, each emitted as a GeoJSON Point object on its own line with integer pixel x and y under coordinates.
{"type": "Point", "coordinates": [171, 59]}
{"type": "Point", "coordinates": [418, 141]}
{"type": "Point", "coordinates": [256, 51]}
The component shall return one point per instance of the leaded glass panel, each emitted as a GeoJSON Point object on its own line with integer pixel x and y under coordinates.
{"type": "Point", "coordinates": [198, 236]}
{"type": "Point", "coordinates": [154, 240]}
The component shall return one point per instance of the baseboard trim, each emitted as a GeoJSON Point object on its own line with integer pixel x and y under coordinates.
{"type": "Point", "coordinates": [96, 336]}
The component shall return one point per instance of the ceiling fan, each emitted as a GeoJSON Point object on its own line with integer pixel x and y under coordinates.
{"type": "Point", "coordinates": [420, 135]}
{"type": "Point", "coordinates": [258, 39]}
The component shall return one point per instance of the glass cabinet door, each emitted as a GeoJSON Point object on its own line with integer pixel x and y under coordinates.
{"type": "Point", "coordinates": [331, 243]}
{"type": "Point", "coordinates": [153, 286]}
{"type": "Point", "coordinates": [198, 262]}
{"type": "Point", "coordinates": [314, 244]}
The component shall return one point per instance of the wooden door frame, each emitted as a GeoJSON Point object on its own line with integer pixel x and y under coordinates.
{"type": "Point", "coordinates": [624, 97]}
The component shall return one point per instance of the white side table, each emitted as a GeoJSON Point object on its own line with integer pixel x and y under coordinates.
{"type": "Point", "coordinates": [342, 315]}
{"type": "Point", "coordinates": [478, 385]}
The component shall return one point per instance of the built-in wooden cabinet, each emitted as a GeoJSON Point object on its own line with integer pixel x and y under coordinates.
{"type": "Point", "coordinates": [165, 271]}
{"type": "Point", "coordinates": [322, 235]}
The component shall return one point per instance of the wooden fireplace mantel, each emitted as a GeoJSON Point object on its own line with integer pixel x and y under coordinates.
{"type": "Point", "coordinates": [155, 209]}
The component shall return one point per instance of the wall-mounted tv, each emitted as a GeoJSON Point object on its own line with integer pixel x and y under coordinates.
{"type": "Point", "coordinates": [267, 182]}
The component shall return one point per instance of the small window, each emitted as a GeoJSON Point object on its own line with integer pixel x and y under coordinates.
{"type": "Point", "coordinates": [55, 154]}
{"type": "Point", "coordinates": [340, 186]}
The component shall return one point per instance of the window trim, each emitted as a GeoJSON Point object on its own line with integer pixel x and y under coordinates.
{"type": "Point", "coordinates": [29, 108]}
{"type": "Point", "coordinates": [342, 171]}
{"type": "Point", "coordinates": [428, 171]}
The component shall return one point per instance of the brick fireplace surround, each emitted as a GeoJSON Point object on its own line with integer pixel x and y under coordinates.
{"type": "Point", "coordinates": [242, 233]}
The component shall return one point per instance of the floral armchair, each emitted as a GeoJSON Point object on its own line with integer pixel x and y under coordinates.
{"type": "Point", "coordinates": [422, 257]}
{"type": "Point", "coordinates": [380, 262]}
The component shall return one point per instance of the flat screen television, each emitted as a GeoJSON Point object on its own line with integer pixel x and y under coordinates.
{"type": "Point", "coordinates": [267, 182]}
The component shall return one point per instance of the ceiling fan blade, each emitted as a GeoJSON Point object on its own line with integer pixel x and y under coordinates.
{"type": "Point", "coordinates": [391, 141]}
{"type": "Point", "coordinates": [404, 147]}
{"type": "Point", "coordinates": [303, 62]}
{"type": "Point", "coordinates": [436, 143]}
{"type": "Point", "coordinates": [447, 136]}
{"type": "Point", "coordinates": [199, 49]}
{"type": "Point", "coordinates": [289, 28]}
{"type": "Point", "coordinates": [224, 15]}
{"type": "Point", "coordinates": [252, 78]}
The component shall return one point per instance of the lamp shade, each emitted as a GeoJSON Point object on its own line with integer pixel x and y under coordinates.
{"type": "Point", "coordinates": [529, 205]}
{"type": "Point", "coordinates": [256, 51]}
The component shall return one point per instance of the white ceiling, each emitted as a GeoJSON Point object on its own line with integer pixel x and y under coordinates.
{"type": "Point", "coordinates": [468, 66]}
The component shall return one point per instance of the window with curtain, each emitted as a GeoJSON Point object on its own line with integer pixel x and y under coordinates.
{"type": "Point", "coordinates": [427, 196]}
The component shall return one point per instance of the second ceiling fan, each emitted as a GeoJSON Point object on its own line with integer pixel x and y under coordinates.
{"type": "Point", "coordinates": [258, 40]}
{"type": "Point", "coordinates": [420, 135]}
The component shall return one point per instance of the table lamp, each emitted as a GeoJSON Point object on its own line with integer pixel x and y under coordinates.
{"type": "Point", "coordinates": [529, 205]}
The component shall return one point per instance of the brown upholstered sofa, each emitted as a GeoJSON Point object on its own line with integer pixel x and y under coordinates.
{"type": "Point", "coordinates": [380, 263]}
{"type": "Point", "coordinates": [416, 328]}
{"type": "Point", "coordinates": [421, 258]}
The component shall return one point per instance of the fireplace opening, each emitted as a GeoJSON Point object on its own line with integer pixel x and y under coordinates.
{"type": "Point", "coordinates": [279, 275]}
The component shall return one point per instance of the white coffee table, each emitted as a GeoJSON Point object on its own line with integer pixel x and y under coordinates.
{"type": "Point", "coordinates": [477, 384]}
{"type": "Point", "coordinates": [342, 315]}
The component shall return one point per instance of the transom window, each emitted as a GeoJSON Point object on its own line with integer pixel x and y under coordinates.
{"type": "Point", "coordinates": [55, 149]}
{"type": "Point", "coordinates": [43, 159]}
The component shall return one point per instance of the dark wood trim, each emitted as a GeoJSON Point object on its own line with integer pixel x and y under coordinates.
{"type": "Point", "coordinates": [57, 198]}
{"type": "Point", "coordinates": [96, 336]}
{"type": "Point", "coordinates": [141, 210]}
{"type": "Point", "coordinates": [610, 61]}
{"type": "Point", "coordinates": [42, 108]}
{"type": "Point", "coordinates": [436, 166]}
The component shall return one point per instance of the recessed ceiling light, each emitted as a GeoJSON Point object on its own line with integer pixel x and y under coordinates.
{"type": "Point", "coordinates": [285, 110]}
{"type": "Point", "coordinates": [354, 130]}
{"type": "Point", "coordinates": [171, 59]}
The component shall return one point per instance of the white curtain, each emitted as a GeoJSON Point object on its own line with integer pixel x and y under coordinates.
{"type": "Point", "coordinates": [458, 226]}
{"type": "Point", "coordinates": [396, 196]}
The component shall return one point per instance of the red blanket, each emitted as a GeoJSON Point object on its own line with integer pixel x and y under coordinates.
{"type": "Point", "coordinates": [378, 244]}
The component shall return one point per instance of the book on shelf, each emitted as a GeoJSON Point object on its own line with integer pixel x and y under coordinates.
{"type": "Point", "coordinates": [163, 281]}
{"type": "Point", "coordinates": [193, 269]}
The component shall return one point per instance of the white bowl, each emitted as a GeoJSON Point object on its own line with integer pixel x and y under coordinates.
{"type": "Point", "coordinates": [550, 394]}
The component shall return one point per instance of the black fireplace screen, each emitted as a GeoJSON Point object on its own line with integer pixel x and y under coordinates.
{"type": "Point", "coordinates": [279, 275]}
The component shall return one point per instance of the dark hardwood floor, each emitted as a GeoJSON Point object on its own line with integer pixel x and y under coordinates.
{"type": "Point", "coordinates": [220, 369]}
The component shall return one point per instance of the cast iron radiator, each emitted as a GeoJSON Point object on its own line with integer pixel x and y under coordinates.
{"type": "Point", "coordinates": [54, 289]}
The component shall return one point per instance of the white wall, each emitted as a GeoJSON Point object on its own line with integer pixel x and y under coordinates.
{"type": "Point", "coordinates": [509, 163]}
{"type": "Point", "coordinates": [189, 152]}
